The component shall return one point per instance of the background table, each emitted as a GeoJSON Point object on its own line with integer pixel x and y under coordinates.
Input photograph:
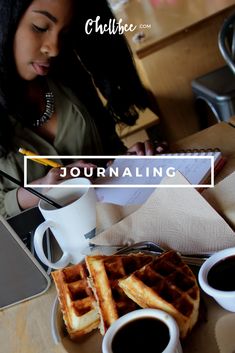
{"type": "Point", "coordinates": [180, 44]}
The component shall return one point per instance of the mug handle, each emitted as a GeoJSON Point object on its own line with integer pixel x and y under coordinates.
{"type": "Point", "coordinates": [38, 246]}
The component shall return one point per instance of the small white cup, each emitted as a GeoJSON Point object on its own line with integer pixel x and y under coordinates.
{"type": "Point", "coordinates": [173, 345]}
{"type": "Point", "coordinates": [73, 225]}
{"type": "Point", "coordinates": [226, 299]}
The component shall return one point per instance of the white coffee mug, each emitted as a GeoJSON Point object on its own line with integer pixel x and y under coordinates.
{"type": "Point", "coordinates": [224, 298]}
{"type": "Point", "coordinates": [158, 332]}
{"type": "Point", "coordinates": [72, 225]}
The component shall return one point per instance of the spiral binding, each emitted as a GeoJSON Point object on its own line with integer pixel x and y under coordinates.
{"type": "Point", "coordinates": [199, 150]}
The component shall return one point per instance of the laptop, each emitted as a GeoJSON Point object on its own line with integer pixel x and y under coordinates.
{"type": "Point", "coordinates": [21, 275]}
{"type": "Point", "coordinates": [25, 224]}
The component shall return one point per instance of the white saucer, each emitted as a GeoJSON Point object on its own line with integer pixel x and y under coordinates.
{"type": "Point", "coordinates": [92, 342]}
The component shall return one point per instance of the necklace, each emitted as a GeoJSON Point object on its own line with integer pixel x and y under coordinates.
{"type": "Point", "coordinates": [50, 108]}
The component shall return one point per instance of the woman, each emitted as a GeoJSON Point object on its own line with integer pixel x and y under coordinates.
{"type": "Point", "coordinates": [49, 67]}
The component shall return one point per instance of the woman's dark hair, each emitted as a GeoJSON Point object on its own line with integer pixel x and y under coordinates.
{"type": "Point", "coordinates": [86, 61]}
{"type": "Point", "coordinates": [10, 14]}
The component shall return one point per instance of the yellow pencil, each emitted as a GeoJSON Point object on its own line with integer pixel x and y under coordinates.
{"type": "Point", "coordinates": [43, 161]}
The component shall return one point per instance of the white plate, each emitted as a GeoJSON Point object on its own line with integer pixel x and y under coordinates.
{"type": "Point", "coordinates": [90, 343]}
{"type": "Point", "coordinates": [201, 340]}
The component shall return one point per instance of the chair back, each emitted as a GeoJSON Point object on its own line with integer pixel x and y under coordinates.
{"type": "Point", "coordinates": [226, 41]}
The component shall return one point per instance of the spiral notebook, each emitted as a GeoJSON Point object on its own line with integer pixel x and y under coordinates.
{"type": "Point", "coordinates": [196, 170]}
{"type": "Point", "coordinates": [203, 176]}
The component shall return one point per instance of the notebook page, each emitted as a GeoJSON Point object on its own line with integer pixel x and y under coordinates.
{"type": "Point", "coordinates": [195, 170]}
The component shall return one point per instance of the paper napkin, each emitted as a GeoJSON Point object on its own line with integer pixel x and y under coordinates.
{"type": "Point", "coordinates": [175, 217]}
{"type": "Point", "coordinates": [222, 198]}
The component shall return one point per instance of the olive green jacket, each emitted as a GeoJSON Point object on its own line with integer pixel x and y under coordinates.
{"type": "Point", "coordinates": [76, 135]}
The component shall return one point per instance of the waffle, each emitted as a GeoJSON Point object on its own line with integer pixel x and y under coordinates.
{"type": "Point", "coordinates": [166, 283]}
{"type": "Point", "coordinates": [76, 299]}
{"type": "Point", "coordinates": [105, 271]}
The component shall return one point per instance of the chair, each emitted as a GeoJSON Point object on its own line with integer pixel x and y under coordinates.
{"type": "Point", "coordinates": [215, 92]}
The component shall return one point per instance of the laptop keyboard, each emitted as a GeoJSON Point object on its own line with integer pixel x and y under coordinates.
{"type": "Point", "coordinates": [27, 239]}
{"type": "Point", "coordinates": [24, 224]}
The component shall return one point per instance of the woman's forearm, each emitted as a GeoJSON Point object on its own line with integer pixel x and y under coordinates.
{"type": "Point", "coordinates": [25, 198]}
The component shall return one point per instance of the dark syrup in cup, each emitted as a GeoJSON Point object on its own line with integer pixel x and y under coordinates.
{"type": "Point", "coordinates": [222, 275]}
{"type": "Point", "coordinates": [143, 335]}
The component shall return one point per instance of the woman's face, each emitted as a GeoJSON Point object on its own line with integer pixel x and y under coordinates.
{"type": "Point", "coordinates": [38, 36]}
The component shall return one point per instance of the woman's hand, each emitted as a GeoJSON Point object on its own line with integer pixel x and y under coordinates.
{"type": "Point", "coordinates": [57, 175]}
{"type": "Point", "coordinates": [147, 148]}
{"type": "Point", "coordinates": [27, 199]}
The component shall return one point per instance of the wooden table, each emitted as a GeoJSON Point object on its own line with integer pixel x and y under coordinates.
{"type": "Point", "coordinates": [180, 44]}
{"type": "Point", "coordinates": [25, 328]}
